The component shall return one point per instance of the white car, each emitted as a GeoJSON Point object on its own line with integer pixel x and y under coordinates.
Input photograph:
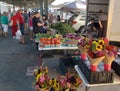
{"type": "Point", "coordinates": [78, 22]}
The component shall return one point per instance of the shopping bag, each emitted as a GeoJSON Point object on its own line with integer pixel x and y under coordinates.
{"type": "Point", "coordinates": [10, 23]}
{"type": "Point", "coordinates": [18, 34]}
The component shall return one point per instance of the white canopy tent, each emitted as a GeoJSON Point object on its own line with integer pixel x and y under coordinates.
{"type": "Point", "coordinates": [76, 6]}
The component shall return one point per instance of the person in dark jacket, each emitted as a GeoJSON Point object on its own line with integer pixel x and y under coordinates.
{"type": "Point", "coordinates": [37, 23]}
{"type": "Point", "coordinates": [26, 18]}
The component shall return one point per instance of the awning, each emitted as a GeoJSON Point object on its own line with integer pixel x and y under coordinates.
{"type": "Point", "coordinates": [76, 6]}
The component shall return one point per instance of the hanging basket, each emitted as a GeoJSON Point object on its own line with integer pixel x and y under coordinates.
{"type": "Point", "coordinates": [95, 61]}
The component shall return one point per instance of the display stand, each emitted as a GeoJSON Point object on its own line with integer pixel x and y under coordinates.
{"type": "Point", "coordinates": [115, 86]}
{"type": "Point", "coordinates": [40, 49]}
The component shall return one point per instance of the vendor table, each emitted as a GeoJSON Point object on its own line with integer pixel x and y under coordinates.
{"type": "Point", "coordinates": [115, 86]}
{"type": "Point", "coordinates": [40, 49]}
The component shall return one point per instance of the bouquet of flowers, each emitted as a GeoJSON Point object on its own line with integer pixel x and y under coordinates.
{"type": "Point", "coordinates": [74, 80]}
{"type": "Point", "coordinates": [110, 54]}
{"type": "Point", "coordinates": [69, 82]}
{"type": "Point", "coordinates": [54, 84]}
{"type": "Point", "coordinates": [42, 80]}
{"type": "Point", "coordinates": [96, 53]}
{"type": "Point", "coordinates": [64, 85]}
{"type": "Point", "coordinates": [83, 46]}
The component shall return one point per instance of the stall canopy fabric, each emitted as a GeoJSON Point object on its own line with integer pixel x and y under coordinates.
{"type": "Point", "coordinates": [76, 6]}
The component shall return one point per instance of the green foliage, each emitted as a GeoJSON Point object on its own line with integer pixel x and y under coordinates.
{"type": "Point", "coordinates": [63, 28]}
{"type": "Point", "coordinates": [38, 36]}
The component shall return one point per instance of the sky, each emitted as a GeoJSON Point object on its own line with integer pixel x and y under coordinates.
{"type": "Point", "coordinates": [57, 2]}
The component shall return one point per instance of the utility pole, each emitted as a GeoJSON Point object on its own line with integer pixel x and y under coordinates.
{"type": "Point", "coordinates": [46, 7]}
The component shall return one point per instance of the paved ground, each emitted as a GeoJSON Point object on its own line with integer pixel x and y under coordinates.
{"type": "Point", "coordinates": [14, 61]}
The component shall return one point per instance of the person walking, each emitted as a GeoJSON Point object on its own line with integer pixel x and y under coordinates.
{"type": "Point", "coordinates": [0, 26]}
{"type": "Point", "coordinates": [4, 23]}
{"type": "Point", "coordinates": [103, 24]}
{"type": "Point", "coordinates": [37, 23]}
{"type": "Point", "coordinates": [14, 24]}
{"type": "Point", "coordinates": [26, 18]}
{"type": "Point", "coordinates": [31, 27]}
{"type": "Point", "coordinates": [0, 29]}
{"type": "Point", "coordinates": [20, 20]}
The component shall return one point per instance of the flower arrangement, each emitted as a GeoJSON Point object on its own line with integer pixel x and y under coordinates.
{"type": "Point", "coordinates": [96, 49]}
{"type": "Point", "coordinates": [74, 80]}
{"type": "Point", "coordinates": [83, 46]}
{"type": "Point", "coordinates": [110, 55]}
{"type": "Point", "coordinates": [42, 80]}
{"type": "Point", "coordinates": [69, 82]}
{"type": "Point", "coordinates": [100, 50]}
{"type": "Point", "coordinates": [64, 85]}
{"type": "Point", "coordinates": [96, 53]}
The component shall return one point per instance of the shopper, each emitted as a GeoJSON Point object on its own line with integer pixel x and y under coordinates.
{"type": "Point", "coordinates": [0, 27]}
{"type": "Point", "coordinates": [37, 23]}
{"type": "Point", "coordinates": [50, 18]}
{"type": "Point", "coordinates": [31, 27]}
{"type": "Point", "coordinates": [45, 21]}
{"type": "Point", "coordinates": [4, 23]}
{"type": "Point", "coordinates": [26, 18]}
{"type": "Point", "coordinates": [103, 24]}
{"type": "Point", "coordinates": [20, 20]}
{"type": "Point", "coordinates": [14, 24]}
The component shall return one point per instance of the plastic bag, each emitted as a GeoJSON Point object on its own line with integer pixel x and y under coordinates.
{"type": "Point", "coordinates": [18, 34]}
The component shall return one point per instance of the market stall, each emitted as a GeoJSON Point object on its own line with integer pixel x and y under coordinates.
{"type": "Point", "coordinates": [57, 43]}
{"type": "Point", "coordinates": [93, 64]}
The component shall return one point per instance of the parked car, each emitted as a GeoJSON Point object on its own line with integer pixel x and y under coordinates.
{"type": "Point", "coordinates": [77, 21]}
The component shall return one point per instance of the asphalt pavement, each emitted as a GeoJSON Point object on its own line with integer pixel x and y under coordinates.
{"type": "Point", "coordinates": [16, 60]}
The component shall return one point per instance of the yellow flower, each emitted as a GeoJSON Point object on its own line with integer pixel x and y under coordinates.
{"type": "Point", "coordinates": [50, 82]}
{"type": "Point", "coordinates": [99, 47]}
{"type": "Point", "coordinates": [94, 42]}
{"type": "Point", "coordinates": [101, 42]}
{"type": "Point", "coordinates": [38, 76]}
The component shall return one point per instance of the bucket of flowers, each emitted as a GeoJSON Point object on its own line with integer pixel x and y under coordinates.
{"type": "Point", "coordinates": [96, 53]}
{"type": "Point", "coordinates": [42, 80]}
{"type": "Point", "coordinates": [110, 55]}
{"type": "Point", "coordinates": [83, 46]}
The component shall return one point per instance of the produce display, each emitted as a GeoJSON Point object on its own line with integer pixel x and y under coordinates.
{"type": "Point", "coordinates": [63, 28]}
{"type": "Point", "coordinates": [57, 40]}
